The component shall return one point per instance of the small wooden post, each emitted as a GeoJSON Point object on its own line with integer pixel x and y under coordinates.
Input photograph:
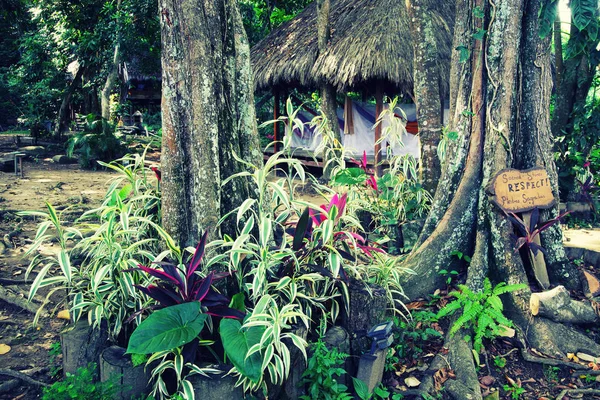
{"type": "Point", "coordinates": [378, 109]}
{"type": "Point", "coordinates": [275, 116]}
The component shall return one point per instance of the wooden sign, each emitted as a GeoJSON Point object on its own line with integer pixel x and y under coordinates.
{"type": "Point", "coordinates": [519, 191]}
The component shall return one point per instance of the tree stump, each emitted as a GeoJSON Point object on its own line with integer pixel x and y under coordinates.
{"type": "Point", "coordinates": [116, 366]}
{"type": "Point", "coordinates": [558, 306]}
{"type": "Point", "coordinates": [81, 345]}
{"type": "Point", "coordinates": [217, 388]}
{"type": "Point", "coordinates": [367, 308]}
{"type": "Point", "coordinates": [337, 337]}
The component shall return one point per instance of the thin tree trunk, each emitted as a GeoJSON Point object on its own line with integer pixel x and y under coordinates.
{"type": "Point", "coordinates": [62, 120]}
{"type": "Point", "coordinates": [111, 80]}
{"type": "Point", "coordinates": [427, 91]}
{"type": "Point", "coordinates": [328, 92]}
{"type": "Point", "coordinates": [208, 115]}
{"type": "Point", "coordinates": [573, 85]}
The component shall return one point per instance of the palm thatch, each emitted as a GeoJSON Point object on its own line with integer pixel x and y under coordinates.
{"type": "Point", "coordinates": [370, 41]}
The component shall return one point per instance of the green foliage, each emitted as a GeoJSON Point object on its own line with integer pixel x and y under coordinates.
{"type": "Point", "coordinates": [411, 336]}
{"type": "Point", "coordinates": [585, 34]}
{"type": "Point", "coordinates": [109, 241]}
{"type": "Point", "coordinates": [481, 312]}
{"type": "Point", "coordinates": [81, 386]}
{"type": "Point", "coordinates": [167, 328]}
{"type": "Point", "coordinates": [261, 16]}
{"type": "Point", "coordinates": [93, 145]}
{"type": "Point", "coordinates": [53, 359]}
{"type": "Point", "coordinates": [324, 368]}
{"type": "Point", "coordinates": [514, 389]}
{"type": "Point", "coordinates": [138, 359]}
{"type": "Point", "coordinates": [499, 362]}
{"type": "Point", "coordinates": [551, 373]}
{"type": "Point", "coordinates": [237, 343]}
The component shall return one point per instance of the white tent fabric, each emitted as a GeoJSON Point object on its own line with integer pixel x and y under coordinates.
{"type": "Point", "coordinates": [363, 138]}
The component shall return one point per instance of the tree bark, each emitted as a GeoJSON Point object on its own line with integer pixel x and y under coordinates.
{"type": "Point", "coordinates": [427, 89]}
{"type": "Point", "coordinates": [328, 92]}
{"type": "Point", "coordinates": [501, 107]}
{"type": "Point", "coordinates": [62, 120]}
{"type": "Point", "coordinates": [574, 79]}
{"type": "Point", "coordinates": [208, 115]}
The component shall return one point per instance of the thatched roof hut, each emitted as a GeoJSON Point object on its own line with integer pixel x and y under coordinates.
{"type": "Point", "coordinates": [370, 42]}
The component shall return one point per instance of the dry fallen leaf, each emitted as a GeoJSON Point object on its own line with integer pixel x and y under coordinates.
{"type": "Point", "coordinates": [4, 348]}
{"type": "Point", "coordinates": [64, 314]}
{"type": "Point", "coordinates": [412, 382]}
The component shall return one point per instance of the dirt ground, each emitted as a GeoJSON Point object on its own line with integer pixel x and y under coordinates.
{"type": "Point", "coordinates": [33, 349]}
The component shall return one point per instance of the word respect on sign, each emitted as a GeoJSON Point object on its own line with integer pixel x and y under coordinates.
{"type": "Point", "coordinates": [520, 191]}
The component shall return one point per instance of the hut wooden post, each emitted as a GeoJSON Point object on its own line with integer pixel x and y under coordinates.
{"type": "Point", "coordinates": [378, 109]}
{"type": "Point", "coordinates": [275, 116]}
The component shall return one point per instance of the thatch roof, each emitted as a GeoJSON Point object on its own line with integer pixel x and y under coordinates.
{"type": "Point", "coordinates": [370, 41]}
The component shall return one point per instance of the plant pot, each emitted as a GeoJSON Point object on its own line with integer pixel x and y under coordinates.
{"type": "Point", "coordinates": [217, 388]}
{"type": "Point", "coordinates": [81, 344]}
{"type": "Point", "coordinates": [130, 381]}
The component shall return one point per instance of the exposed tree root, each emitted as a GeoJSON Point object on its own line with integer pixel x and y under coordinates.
{"type": "Point", "coordinates": [4, 281]}
{"type": "Point", "coordinates": [565, 392]}
{"type": "Point", "coordinates": [16, 300]}
{"type": "Point", "coordinates": [23, 377]}
{"type": "Point", "coordinates": [9, 385]}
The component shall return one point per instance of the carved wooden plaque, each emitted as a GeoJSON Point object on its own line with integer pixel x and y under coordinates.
{"type": "Point", "coordinates": [520, 191]}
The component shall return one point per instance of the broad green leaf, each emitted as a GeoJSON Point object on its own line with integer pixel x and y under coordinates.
{"type": "Point", "coordinates": [167, 329]}
{"type": "Point", "coordinates": [361, 388]}
{"type": "Point", "coordinates": [237, 343]}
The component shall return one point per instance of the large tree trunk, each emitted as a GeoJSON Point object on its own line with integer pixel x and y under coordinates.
{"type": "Point", "coordinates": [208, 115]}
{"type": "Point", "coordinates": [506, 85]}
{"type": "Point", "coordinates": [427, 89]}
{"type": "Point", "coordinates": [62, 120]}
{"type": "Point", "coordinates": [328, 92]}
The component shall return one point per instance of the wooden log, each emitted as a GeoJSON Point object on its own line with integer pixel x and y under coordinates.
{"type": "Point", "coordinates": [116, 367]}
{"type": "Point", "coordinates": [558, 306]}
{"type": "Point", "coordinates": [81, 344]}
{"type": "Point", "coordinates": [216, 388]}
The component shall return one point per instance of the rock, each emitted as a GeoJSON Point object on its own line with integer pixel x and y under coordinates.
{"type": "Point", "coordinates": [63, 159]}
{"type": "Point", "coordinates": [32, 151]}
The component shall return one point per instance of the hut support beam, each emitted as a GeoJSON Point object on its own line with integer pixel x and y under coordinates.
{"type": "Point", "coordinates": [378, 109]}
{"type": "Point", "coordinates": [275, 125]}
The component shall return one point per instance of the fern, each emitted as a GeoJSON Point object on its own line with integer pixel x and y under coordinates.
{"type": "Point", "coordinates": [481, 311]}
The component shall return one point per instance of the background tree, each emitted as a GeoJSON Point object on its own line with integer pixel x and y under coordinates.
{"type": "Point", "coordinates": [208, 114]}
{"type": "Point", "coordinates": [427, 90]}
{"type": "Point", "coordinates": [500, 94]}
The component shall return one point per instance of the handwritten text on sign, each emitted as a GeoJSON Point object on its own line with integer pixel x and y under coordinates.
{"type": "Point", "coordinates": [520, 191]}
